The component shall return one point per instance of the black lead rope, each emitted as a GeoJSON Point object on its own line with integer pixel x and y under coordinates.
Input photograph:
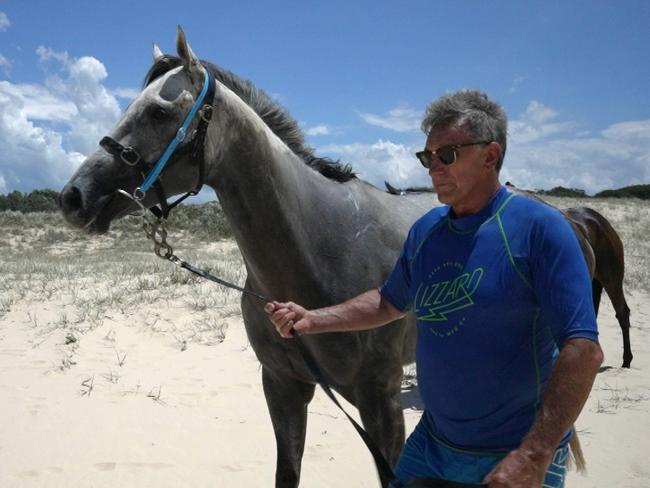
{"type": "Point", "coordinates": [319, 377]}
{"type": "Point", "coordinates": [312, 365]}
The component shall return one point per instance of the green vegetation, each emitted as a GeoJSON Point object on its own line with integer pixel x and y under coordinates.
{"type": "Point", "coordinates": [94, 280]}
{"type": "Point", "coordinates": [35, 201]}
{"type": "Point", "coordinates": [206, 221]}
{"type": "Point", "coordinates": [560, 191]}
{"type": "Point", "coordinates": [634, 191]}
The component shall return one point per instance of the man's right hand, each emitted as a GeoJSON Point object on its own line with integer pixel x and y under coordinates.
{"type": "Point", "coordinates": [287, 315]}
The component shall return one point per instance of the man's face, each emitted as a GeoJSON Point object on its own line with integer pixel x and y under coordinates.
{"type": "Point", "coordinates": [456, 182]}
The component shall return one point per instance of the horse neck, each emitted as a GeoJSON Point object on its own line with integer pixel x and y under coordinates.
{"type": "Point", "coordinates": [272, 200]}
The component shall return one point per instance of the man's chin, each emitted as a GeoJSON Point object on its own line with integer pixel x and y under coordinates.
{"type": "Point", "coordinates": [444, 192]}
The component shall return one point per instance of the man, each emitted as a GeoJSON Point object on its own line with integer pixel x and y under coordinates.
{"type": "Point", "coordinates": [507, 346]}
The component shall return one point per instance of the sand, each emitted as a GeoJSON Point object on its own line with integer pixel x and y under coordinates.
{"type": "Point", "coordinates": [126, 406]}
{"type": "Point", "coordinates": [114, 372]}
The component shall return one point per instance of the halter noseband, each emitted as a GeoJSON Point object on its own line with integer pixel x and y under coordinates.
{"type": "Point", "coordinates": [131, 157]}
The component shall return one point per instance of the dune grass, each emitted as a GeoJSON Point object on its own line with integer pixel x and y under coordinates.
{"type": "Point", "coordinates": [90, 278]}
{"type": "Point", "coordinates": [630, 217]}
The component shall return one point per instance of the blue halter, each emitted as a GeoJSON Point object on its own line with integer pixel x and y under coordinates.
{"type": "Point", "coordinates": [180, 137]}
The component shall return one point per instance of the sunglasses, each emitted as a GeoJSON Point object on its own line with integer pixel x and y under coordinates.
{"type": "Point", "coordinates": [445, 154]}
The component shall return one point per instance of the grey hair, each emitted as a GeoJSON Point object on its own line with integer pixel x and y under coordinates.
{"type": "Point", "coordinates": [472, 110]}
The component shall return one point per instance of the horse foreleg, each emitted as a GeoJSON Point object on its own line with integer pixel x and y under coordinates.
{"type": "Point", "coordinates": [381, 414]}
{"type": "Point", "coordinates": [287, 401]}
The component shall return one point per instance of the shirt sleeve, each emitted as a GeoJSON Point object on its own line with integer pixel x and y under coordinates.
{"type": "Point", "coordinates": [561, 280]}
{"type": "Point", "coordinates": [396, 289]}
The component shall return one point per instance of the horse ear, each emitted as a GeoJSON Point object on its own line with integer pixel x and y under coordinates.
{"type": "Point", "coordinates": [190, 62]}
{"type": "Point", "coordinates": [157, 53]}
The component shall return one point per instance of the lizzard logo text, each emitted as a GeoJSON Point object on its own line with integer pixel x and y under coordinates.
{"type": "Point", "coordinates": [436, 300]}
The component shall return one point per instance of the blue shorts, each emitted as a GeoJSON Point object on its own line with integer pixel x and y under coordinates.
{"type": "Point", "coordinates": [424, 456]}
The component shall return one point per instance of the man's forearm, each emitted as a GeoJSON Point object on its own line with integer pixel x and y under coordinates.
{"type": "Point", "coordinates": [566, 393]}
{"type": "Point", "coordinates": [362, 312]}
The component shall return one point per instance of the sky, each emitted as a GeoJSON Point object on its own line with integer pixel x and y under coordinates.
{"type": "Point", "coordinates": [573, 76]}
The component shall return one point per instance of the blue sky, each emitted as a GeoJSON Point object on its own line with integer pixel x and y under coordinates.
{"type": "Point", "coordinates": [573, 77]}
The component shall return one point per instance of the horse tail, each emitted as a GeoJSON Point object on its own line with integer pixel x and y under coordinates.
{"type": "Point", "coordinates": [577, 456]}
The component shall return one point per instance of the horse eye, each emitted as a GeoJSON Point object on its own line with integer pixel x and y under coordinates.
{"type": "Point", "coordinates": [159, 113]}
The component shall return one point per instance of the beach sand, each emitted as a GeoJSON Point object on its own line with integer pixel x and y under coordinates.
{"type": "Point", "coordinates": [127, 406]}
{"type": "Point", "coordinates": [116, 370]}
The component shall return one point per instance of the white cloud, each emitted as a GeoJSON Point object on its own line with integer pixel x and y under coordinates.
{"type": "Point", "coordinates": [544, 153]}
{"type": "Point", "coordinates": [535, 123]}
{"type": "Point", "coordinates": [382, 161]}
{"type": "Point", "coordinates": [399, 119]}
{"type": "Point", "coordinates": [45, 54]}
{"type": "Point", "coordinates": [45, 129]}
{"type": "Point", "coordinates": [318, 130]}
{"type": "Point", "coordinates": [126, 93]}
{"type": "Point", "coordinates": [5, 64]}
{"type": "Point", "coordinates": [4, 22]}
{"type": "Point", "coordinates": [518, 80]}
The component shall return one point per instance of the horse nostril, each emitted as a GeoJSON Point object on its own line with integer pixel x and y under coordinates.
{"type": "Point", "coordinates": [70, 199]}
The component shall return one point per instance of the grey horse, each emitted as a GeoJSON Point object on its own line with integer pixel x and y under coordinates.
{"type": "Point", "coordinates": [308, 230]}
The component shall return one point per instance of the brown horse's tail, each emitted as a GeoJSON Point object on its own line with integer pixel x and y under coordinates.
{"type": "Point", "coordinates": [577, 455]}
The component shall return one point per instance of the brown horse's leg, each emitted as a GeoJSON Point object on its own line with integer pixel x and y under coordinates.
{"type": "Point", "coordinates": [596, 290]}
{"type": "Point", "coordinates": [287, 400]}
{"type": "Point", "coordinates": [623, 316]}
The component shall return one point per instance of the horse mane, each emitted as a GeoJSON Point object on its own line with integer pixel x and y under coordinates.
{"type": "Point", "coordinates": [274, 116]}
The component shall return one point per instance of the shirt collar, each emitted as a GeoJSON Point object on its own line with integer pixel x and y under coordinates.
{"type": "Point", "coordinates": [473, 221]}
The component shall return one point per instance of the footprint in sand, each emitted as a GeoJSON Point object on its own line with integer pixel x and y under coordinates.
{"type": "Point", "coordinates": [111, 466]}
{"type": "Point", "coordinates": [35, 473]}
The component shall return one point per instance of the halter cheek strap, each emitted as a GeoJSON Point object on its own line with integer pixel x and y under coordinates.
{"type": "Point", "coordinates": [180, 135]}
{"type": "Point", "coordinates": [130, 156]}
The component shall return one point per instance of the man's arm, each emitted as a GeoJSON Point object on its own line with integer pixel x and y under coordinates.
{"type": "Point", "coordinates": [365, 311]}
{"type": "Point", "coordinates": [566, 393]}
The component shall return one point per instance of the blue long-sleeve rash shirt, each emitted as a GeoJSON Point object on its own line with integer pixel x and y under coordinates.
{"type": "Point", "coordinates": [495, 294]}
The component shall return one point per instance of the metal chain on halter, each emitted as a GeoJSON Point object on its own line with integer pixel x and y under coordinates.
{"type": "Point", "coordinates": [156, 231]}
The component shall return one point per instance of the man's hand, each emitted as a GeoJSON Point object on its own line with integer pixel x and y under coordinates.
{"type": "Point", "coordinates": [363, 312]}
{"type": "Point", "coordinates": [287, 315]}
{"type": "Point", "coordinates": [519, 469]}
{"type": "Point", "coordinates": [566, 392]}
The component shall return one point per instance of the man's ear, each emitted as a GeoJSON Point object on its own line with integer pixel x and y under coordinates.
{"type": "Point", "coordinates": [493, 152]}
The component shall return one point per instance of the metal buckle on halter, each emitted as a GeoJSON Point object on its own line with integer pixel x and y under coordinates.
{"type": "Point", "coordinates": [138, 195]}
{"type": "Point", "coordinates": [128, 152]}
{"type": "Point", "coordinates": [206, 113]}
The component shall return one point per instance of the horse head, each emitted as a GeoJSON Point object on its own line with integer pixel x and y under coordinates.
{"type": "Point", "coordinates": [155, 119]}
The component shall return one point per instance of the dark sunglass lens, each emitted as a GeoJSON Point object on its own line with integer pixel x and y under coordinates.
{"type": "Point", "coordinates": [424, 157]}
{"type": "Point", "coordinates": [447, 155]}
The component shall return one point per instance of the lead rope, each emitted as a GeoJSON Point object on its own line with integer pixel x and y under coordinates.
{"type": "Point", "coordinates": [156, 231]}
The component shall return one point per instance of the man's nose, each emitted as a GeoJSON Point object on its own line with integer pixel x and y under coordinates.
{"type": "Point", "coordinates": [436, 167]}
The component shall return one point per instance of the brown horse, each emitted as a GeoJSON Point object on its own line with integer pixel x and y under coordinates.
{"type": "Point", "coordinates": [608, 265]}
{"type": "Point", "coordinates": [603, 250]}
